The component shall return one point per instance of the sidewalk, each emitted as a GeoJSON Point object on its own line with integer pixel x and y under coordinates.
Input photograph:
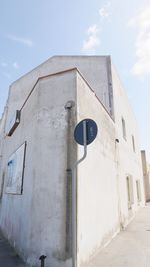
{"type": "Point", "coordinates": [131, 247]}
{"type": "Point", "coordinates": [8, 257]}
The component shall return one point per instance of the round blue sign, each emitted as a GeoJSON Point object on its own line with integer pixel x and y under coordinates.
{"type": "Point", "coordinates": [91, 132]}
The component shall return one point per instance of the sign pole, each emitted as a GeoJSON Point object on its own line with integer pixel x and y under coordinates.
{"type": "Point", "coordinates": [74, 198]}
{"type": "Point", "coordinates": [84, 134]}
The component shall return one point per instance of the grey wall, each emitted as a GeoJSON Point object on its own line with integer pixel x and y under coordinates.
{"type": "Point", "coordinates": [39, 214]}
{"type": "Point", "coordinates": [95, 69]}
{"type": "Point", "coordinates": [98, 218]}
{"type": "Point", "coordinates": [129, 161]}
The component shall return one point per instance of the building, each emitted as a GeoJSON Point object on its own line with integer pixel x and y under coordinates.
{"type": "Point", "coordinates": [146, 175]}
{"type": "Point", "coordinates": [38, 151]}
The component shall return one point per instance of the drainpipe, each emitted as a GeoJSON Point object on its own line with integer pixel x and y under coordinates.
{"type": "Point", "coordinates": [70, 158]}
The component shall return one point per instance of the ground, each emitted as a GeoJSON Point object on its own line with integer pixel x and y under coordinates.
{"type": "Point", "coordinates": [131, 247]}
{"type": "Point", "coordinates": [8, 257]}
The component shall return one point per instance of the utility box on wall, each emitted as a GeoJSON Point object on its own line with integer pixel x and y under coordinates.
{"type": "Point", "coordinates": [13, 123]}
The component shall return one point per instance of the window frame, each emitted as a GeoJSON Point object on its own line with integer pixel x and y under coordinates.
{"type": "Point", "coordinates": [124, 132]}
{"type": "Point", "coordinates": [130, 191]}
{"type": "Point", "coordinates": [133, 143]}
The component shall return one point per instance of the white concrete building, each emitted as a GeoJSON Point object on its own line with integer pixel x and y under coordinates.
{"type": "Point", "coordinates": [38, 151]}
{"type": "Point", "coordinates": [146, 175]}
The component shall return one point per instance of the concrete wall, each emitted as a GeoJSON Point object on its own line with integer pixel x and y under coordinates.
{"type": "Point", "coordinates": [128, 160]}
{"type": "Point", "coordinates": [94, 69]}
{"type": "Point", "coordinates": [39, 214]}
{"type": "Point", "coordinates": [98, 217]}
{"type": "Point", "coordinates": [102, 188]}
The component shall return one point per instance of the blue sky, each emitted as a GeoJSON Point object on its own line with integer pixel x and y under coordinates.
{"type": "Point", "coordinates": [33, 31]}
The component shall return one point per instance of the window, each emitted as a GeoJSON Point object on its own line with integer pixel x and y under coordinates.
{"type": "Point", "coordinates": [133, 143]}
{"type": "Point", "coordinates": [123, 128]}
{"type": "Point", "coordinates": [130, 197]}
{"type": "Point", "coordinates": [138, 190]}
{"type": "Point", "coordinates": [15, 171]}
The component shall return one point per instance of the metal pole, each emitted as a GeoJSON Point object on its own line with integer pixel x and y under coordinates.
{"type": "Point", "coordinates": [74, 199]}
{"type": "Point", "coordinates": [42, 259]}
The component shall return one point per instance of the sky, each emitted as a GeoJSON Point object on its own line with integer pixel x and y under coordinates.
{"type": "Point", "coordinates": [31, 31]}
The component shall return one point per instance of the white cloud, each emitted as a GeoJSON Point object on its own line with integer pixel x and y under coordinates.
{"type": "Point", "coordinates": [104, 11]}
{"type": "Point", "coordinates": [142, 45]}
{"type": "Point", "coordinates": [25, 41]}
{"type": "Point", "coordinates": [93, 29]}
{"type": "Point", "coordinates": [93, 40]}
{"type": "Point", "coordinates": [15, 65]}
{"type": "Point", "coordinates": [93, 32]}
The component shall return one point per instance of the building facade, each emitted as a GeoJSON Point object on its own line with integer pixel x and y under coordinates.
{"type": "Point", "coordinates": [38, 152]}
